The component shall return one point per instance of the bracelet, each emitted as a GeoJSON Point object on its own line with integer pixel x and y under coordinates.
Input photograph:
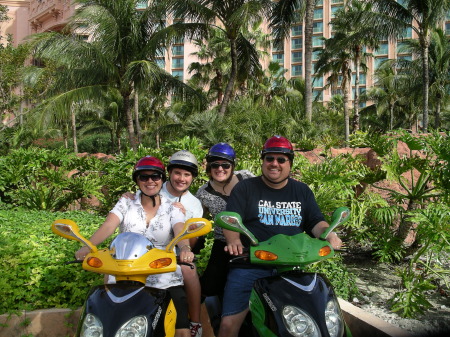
{"type": "Point", "coordinates": [190, 249]}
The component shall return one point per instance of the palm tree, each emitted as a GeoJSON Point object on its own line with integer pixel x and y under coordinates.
{"type": "Point", "coordinates": [390, 18]}
{"type": "Point", "coordinates": [347, 21]}
{"type": "Point", "coordinates": [119, 59]}
{"type": "Point", "coordinates": [388, 91]}
{"type": "Point", "coordinates": [232, 17]}
{"type": "Point", "coordinates": [214, 63]}
{"type": "Point", "coordinates": [439, 73]}
{"type": "Point", "coordinates": [284, 14]}
{"type": "Point", "coordinates": [337, 63]}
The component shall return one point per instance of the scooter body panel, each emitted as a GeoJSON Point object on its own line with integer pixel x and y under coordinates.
{"type": "Point", "coordinates": [308, 291]}
{"type": "Point", "coordinates": [116, 304]}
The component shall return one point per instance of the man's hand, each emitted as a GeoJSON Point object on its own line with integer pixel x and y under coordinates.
{"type": "Point", "coordinates": [334, 240]}
{"type": "Point", "coordinates": [235, 247]}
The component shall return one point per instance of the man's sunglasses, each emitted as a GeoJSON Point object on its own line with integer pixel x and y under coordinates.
{"type": "Point", "coordinates": [146, 177]}
{"type": "Point", "coordinates": [280, 160]}
{"type": "Point", "coordinates": [225, 166]}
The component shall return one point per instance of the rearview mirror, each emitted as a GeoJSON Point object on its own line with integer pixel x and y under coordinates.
{"type": "Point", "coordinates": [233, 222]}
{"type": "Point", "coordinates": [339, 216]}
{"type": "Point", "coordinates": [192, 228]}
{"type": "Point", "coordinates": [69, 229]}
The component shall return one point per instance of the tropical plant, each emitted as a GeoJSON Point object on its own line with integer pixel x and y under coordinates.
{"type": "Point", "coordinates": [119, 59]}
{"type": "Point", "coordinates": [391, 18]}
{"type": "Point", "coordinates": [233, 18]}
{"type": "Point", "coordinates": [336, 62]}
{"type": "Point", "coordinates": [434, 236]}
{"type": "Point", "coordinates": [285, 13]}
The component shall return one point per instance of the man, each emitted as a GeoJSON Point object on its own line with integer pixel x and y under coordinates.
{"type": "Point", "coordinates": [270, 204]}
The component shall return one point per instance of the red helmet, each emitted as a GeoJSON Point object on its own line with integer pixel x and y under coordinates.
{"type": "Point", "coordinates": [149, 163]}
{"type": "Point", "coordinates": [278, 144]}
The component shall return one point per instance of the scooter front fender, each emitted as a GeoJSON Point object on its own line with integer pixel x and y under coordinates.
{"type": "Point", "coordinates": [115, 304]}
{"type": "Point", "coordinates": [309, 292]}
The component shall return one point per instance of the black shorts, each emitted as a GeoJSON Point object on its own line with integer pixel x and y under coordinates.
{"type": "Point", "coordinates": [180, 302]}
{"type": "Point", "coordinates": [215, 275]}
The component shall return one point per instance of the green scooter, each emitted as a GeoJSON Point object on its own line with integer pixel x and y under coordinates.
{"type": "Point", "coordinates": [293, 302]}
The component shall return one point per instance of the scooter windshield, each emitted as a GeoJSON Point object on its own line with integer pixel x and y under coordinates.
{"type": "Point", "coordinates": [130, 246]}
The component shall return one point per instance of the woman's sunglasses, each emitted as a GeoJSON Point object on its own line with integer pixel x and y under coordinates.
{"type": "Point", "coordinates": [225, 166]}
{"type": "Point", "coordinates": [280, 160]}
{"type": "Point", "coordinates": [146, 177]}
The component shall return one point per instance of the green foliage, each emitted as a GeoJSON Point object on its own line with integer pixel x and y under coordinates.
{"type": "Point", "coordinates": [411, 300]}
{"type": "Point", "coordinates": [380, 143]}
{"type": "Point", "coordinates": [344, 282]}
{"type": "Point", "coordinates": [332, 181]}
{"type": "Point", "coordinates": [34, 257]}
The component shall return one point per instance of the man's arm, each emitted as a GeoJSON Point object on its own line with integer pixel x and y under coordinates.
{"type": "Point", "coordinates": [234, 245]}
{"type": "Point", "coordinates": [332, 238]}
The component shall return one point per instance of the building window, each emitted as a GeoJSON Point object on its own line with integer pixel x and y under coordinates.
{"type": "Point", "coordinates": [317, 27]}
{"type": "Point", "coordinates": [296, 70]}
{"type": "Point", "coordinates": [296, 30]}
{"type": "Point", "coordinates": [318, 14]}
{"type": "Point", "coordinates": [316, 55]}
{"type": "Point", "coordinates": [319, 2]}
{"type": "Point", "coordinates": [362, 79]}
{"type": "Point", "coordinates": [405, 57]}
{"type": "Point", "coordinates": [407, 33]}
{"type": "Point", "coordinates": [382, 49]}
{"type": "Point", "coordinates": [178, 50]}
{"type": "Point", "coordinates": [296, 57]}
{"type": "Point", "coordinates": [141, 4]}
{"type": "Point", "coordinates": [334, 9]}
{"type": "Point", "coordinates": [447, 28]}
{"type": "Point", "coordinates": [318, 81]}
{"type": "Point", "coordinates": [178, 74]}
{"type": "Point", "coordinates": [318, 95]}
{"type": "Point", "coordinates": [317, 41]}
{"type": "Point", "coordinates": [178, 63]}
{"type": "Point", "coordinates": [379, 61]}
{"type": "Point", "coordinates": [278, 58]}
{"type": "Point", "coordinates": [161, 63]}
{"type": "Point", "coordinates": [276, 48]}
{"type": "Point", "coordinates": [402, 48]}
{"type": "Point", "coordinates": [296, 43]}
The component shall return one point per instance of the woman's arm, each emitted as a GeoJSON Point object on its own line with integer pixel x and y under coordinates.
{"type": "Point", "coordinates": [108, 227]}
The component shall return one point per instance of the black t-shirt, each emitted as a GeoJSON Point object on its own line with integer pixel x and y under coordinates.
{"type": "Point", "coordinates": [266, 211]}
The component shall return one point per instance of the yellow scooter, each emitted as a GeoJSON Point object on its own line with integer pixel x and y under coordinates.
{"type": "Point", "coordinates": [128, 307]}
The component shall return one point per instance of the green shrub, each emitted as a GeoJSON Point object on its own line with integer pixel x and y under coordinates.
{"type": "Point", "coordinates": [32, 260]}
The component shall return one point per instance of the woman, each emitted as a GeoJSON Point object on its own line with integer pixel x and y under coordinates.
{"type": "Point", "coordinates": [220, 163]}
{"type": "Point", "coordinates": [154, 216]}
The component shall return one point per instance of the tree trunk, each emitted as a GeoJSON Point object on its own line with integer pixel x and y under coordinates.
{"type": "Point", "coordinates": [437, 114]}
{"type": "Point", "coordinates": [356, 101]}
{"type": "Point", "coordinates": [309, 21]}
{"type": "Point", "coordinates": [346, 114]}
{"type": "Point", "coordinates": [229, 89]}
{"type": "Point", "coordinates": [74, 129]}
{"type": "Point", "coordinates": [426, 82]}
{"type": "Point", "coordinates": [129, 119]}
{"type": "Point", "coordinates": [136, 116]}
{"type": "Point", "coordinates": [391, 116]}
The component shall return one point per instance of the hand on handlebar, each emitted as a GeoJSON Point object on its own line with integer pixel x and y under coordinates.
{"type": "Point", "coordinates": [82, 252]}
{"type": "Point", "coordinates": [235, 247]}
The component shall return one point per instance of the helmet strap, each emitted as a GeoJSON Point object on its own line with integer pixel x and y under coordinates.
{"type": "Point", "coordinates": [152, 197]}
{"type": "Point", "coordinates": [273, 182]}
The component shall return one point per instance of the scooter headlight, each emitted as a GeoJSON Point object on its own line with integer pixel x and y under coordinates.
{"type": "Point", "coordinates": [135, 327]}
{"type": "Point", "coordinates": [333, 318]}
{"type": "Point", "coordinates": [299, 323]}
{"type": "Point", "coordinates": [92, 327]}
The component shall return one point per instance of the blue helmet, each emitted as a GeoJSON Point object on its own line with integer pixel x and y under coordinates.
{"type": "Point", "coordinates": [221, 151]}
